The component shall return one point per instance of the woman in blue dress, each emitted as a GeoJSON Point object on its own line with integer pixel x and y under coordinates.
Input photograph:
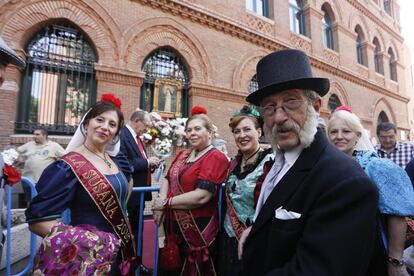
{"type": "Point", "coordinates": [242, 187]}
{"type": "Point", "coordinates": [396, 195]}
{"type": "Point", "coordinates": [95, 187]}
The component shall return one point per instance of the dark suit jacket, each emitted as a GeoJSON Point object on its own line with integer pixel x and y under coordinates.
{"type": "Point", "coordinates": [336, 232]}
{"type": "Point", "coordinates": [138, 163]}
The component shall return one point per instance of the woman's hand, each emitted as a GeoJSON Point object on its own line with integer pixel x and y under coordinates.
{"type": "Point", "coordinates": [42, 228]}
{"type": "Point", "coordinates": [158, 204]}
{"type": "Point", "coordinates": [158, 217]}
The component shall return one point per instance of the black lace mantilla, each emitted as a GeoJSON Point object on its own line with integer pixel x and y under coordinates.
{"type": "Point", "coordinates": [249, 167]}
{"type": "Point", "coordinates": [206, 185]}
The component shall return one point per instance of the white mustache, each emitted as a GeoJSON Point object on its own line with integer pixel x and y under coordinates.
{"type": "Point", "coordinates": [289, 125]}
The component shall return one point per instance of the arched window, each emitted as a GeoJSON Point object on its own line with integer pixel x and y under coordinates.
{"type": "Point", "coordinates": [327, 33]}
{"type": "Point", "coordinates": [260, 7]}
{"type": "Point", "coordinates": [253, 85]}
{"type": "Point", "coordinates": [333, 102]}
{"type": "Point", "coordinates": [377, 57]}
{"type": "Point", "coordinates": [382, 118]}
{"type": "Point", "coordinates": [387, 7]}
{"type": "Point", "coordinates": [392, 65]}
{"type": "Point", "coordinates": [297, 17]}
{"type": "Point", "coordinates": [165, 87]}
{"type": "Point", "coordinates": [359, 46]}
{"type": "Point", "coordinates": [59, 80]}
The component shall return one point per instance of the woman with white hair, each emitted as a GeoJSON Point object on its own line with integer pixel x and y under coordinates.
{"type": "Point", "coordinates": [396, 194]}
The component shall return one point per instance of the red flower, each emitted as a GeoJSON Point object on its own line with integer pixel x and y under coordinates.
{"type": "Point", "coordinates": [12, 175]}
{"type": "Point", "coordinates": [198, 110]}
{"type": "Point", "coordinates": [344, 108]}
{"type": "Point", "coordinates": [68, 253]}
{"type": "Point", "coordinates": [104, 268]}
{"type": "Point", "coordinates": [56, 271]}
{"type": "Point", "coordinates": [112, 99]}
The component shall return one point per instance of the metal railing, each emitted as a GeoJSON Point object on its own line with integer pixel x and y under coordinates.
{"type": "Point", "coordinates": [33, 237]}
{"type": "Point", "coordinates": [142, 191]}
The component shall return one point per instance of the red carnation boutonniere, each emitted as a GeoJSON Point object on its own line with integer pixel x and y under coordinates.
{"type": "Point", "coordinates": [12, 176]}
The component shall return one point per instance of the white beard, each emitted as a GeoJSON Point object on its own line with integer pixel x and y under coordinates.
{"type": "Point", "coordinates": [306, 135]}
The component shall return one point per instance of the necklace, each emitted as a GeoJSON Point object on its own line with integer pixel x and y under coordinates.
{"type": "Point", "coordinates": [103, 158]}
{"type": "Point", "coordinates": [251, 156]}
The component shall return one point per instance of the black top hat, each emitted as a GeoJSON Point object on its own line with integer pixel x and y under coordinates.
{"type": "Point", "coordinates": [7, 55]}
{"type": "Point", "coordinates": [283, 70]}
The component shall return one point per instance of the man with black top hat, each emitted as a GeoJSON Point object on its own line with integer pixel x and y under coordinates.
{"type": "Point", "coordinates": [7, 56]}
{"type": "Point", "coordinates": [316, 213]}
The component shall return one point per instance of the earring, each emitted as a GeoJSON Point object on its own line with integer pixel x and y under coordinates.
{"type": "Point", "coordinates": [115, 140]}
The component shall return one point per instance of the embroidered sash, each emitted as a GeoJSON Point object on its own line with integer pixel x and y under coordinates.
{"type": "Point", "coordinates": [105, 198]}
{"type": "Point", "coordinates": [198, 255]}
{"type": "Point", "coordinates": [237, 225]}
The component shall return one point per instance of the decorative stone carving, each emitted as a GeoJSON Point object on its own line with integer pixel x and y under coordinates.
{"type": "Point", "coordinates": [392, 85]}
{"type": "Point", "coordinates": [331, 57]}
{"type": "Point", "coordinates": [301, 43]}
{"type": "Point", "coordinates": [259, 24]}
{"type": "Point", "coordinates": [363, 71]}
{"type": "Point", "coordinates": [379, 79]}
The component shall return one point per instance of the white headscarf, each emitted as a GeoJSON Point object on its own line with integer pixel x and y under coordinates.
{"type": "Point", "coordinates": [78, 140]}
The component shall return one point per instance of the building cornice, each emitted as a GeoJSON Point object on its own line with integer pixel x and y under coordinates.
{"type": "Point", "coordinates": [226, 25]}
{"type": "Point", "coordinates": [208, 19]}
{"type": "Point", "coordinates": [342, 73]}
{"type": "Point", "coordinates": [211, 92]}
{"type": "Point", "coordinates": [361, 8]}
{"type": "Point", "coordinates": [118, 76]}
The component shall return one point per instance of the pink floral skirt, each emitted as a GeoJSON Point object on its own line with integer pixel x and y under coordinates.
{"type": "Point", "coordinates": [76, 250]}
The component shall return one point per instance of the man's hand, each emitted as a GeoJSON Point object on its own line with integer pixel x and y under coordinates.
{"type": "Point", "coordinates": [153, 161]}
{"type": "Point", "coordinates": [242, 240]}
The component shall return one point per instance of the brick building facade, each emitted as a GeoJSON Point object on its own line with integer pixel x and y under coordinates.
{"type": "Point", "coordinates": [210, 50]}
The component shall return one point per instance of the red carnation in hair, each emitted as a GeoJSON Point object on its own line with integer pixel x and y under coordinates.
{"type": "Point", "coordinates": [111, 99]}
{"type": "Point", "coordinates": [198, 110]}
{"type": "Point", "coordinates": [344, 108]}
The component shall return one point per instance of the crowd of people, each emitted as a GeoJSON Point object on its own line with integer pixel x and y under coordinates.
{"type": "Point", "coordinates": [316, 201]}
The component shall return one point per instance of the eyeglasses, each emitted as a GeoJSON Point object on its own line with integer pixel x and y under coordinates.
{"type": "Point", "coordinates": [288, 107]}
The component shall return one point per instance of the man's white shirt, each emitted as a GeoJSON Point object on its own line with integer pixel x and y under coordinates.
{"type": "Point", "coordinates": [269, 183]}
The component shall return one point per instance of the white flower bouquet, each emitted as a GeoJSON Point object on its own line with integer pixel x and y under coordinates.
{"type": "Point", "coordinates": [10, 156]}
{"type": "Point", "coordinates": [165, 134]}
{"type": "Point", "coordinates": [162, 148]}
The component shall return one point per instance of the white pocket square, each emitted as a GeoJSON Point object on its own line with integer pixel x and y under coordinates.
{"type": "Point", "coordinates": [284, 214]}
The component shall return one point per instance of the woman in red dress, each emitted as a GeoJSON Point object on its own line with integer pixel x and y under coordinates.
{"type": "Point", "coordinates": [190, 196]}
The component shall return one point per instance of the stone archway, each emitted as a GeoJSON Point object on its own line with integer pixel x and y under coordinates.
{"type": "Point", "coordinates": [382, 109]}
{"type": "Point", "coordinates": [145, 37]}
{"type": "Point", "coordinates": [245, 70]}
{"type": "Point", "coordinates": [338, 90]}
{"type": "Point", "coordinates": [31, 17]}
